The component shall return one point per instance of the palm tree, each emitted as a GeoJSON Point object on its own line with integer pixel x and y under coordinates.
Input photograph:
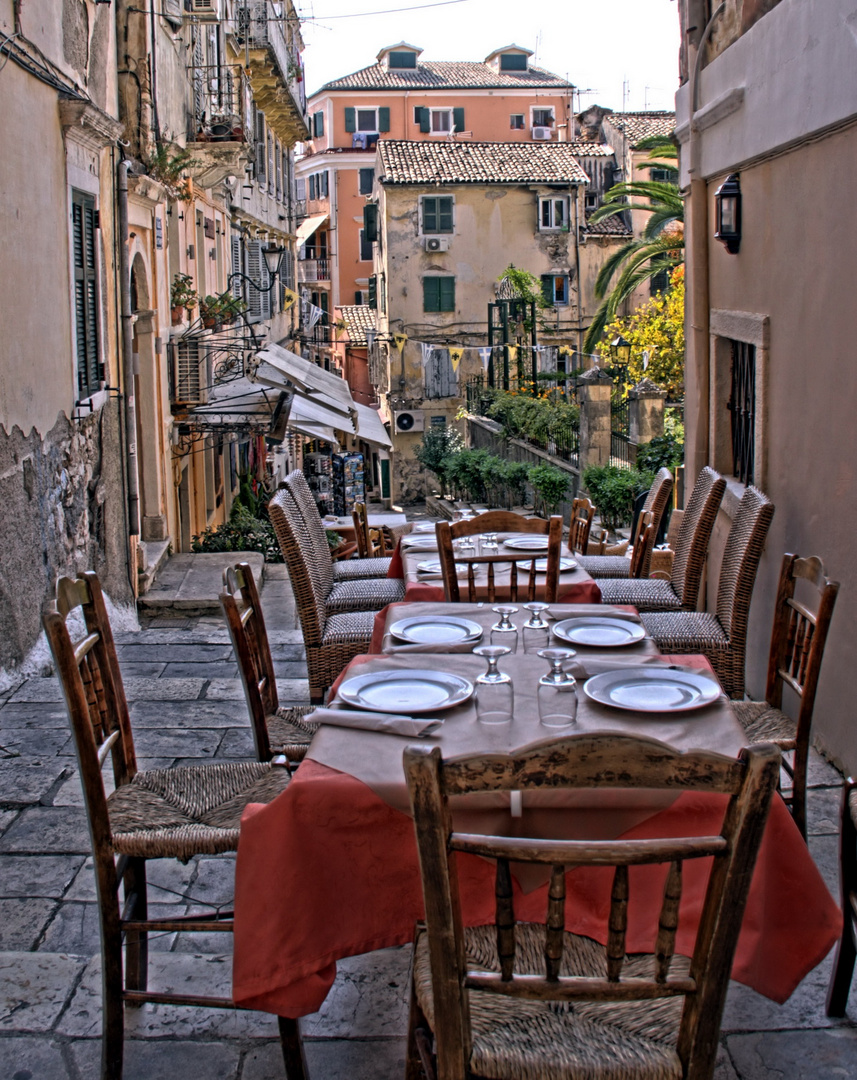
{"type": "Point", "coordinates": [659, 248]}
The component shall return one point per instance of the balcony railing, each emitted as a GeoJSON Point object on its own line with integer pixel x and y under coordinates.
{"type": "Point", "coordinates": [259, 24]}
{"type": "Point", "coordinates": [310, 270]}
{"type": "Point", "coordinates": [220, 113]}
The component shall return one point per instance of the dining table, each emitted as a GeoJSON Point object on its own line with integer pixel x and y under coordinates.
{"type": "Point", "coordinates": [416, 561]}
{"type": "Point", "coordinates": [329, 869]}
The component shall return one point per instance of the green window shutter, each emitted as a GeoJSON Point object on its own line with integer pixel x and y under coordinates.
{"type": "Point", "coordinates": [425, 120]}
{"type": "Point", "coordinates": [445, 214]}
{"type": "Point", "coordinates": [372, 299]}
{"type": "Point", "coordinates": [458, 119]}
{"type": "Point", "coordinates": [383, 118]}
{"type": "Point", "coordinates": [350, 119]}
{"type": "Point", "coordinates": [325, 184]}
{"type": "Point", "coordinates": [547, 287]}
{"type": "Point", "coordinates": [431, 294]}
{"type": "Point", "coordinates": [84, 225]}
{"type": "Point", "coordinates": [370, 221]}
{"type": "Point", "coordinates": [446, 291]}
{"type": "Point", "coordinates": [318, 123]}
{"type": "Point", "coordinates": [430, 222]}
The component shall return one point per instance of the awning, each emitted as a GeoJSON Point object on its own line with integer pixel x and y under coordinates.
{"type": "Point", "coordinates": [241, 405]}
{"type": "Point", "coordinates": [370, 428]}
{"type": "Point", "coordinates": [308, 226]}
{"type": "Point", "coordinates": [318, 421]}
{"type": "Point", "coordinates": [285, 370]}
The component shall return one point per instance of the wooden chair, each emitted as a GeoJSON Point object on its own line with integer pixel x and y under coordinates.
{"type": "Point", "coordinates": [641, 553]}
{"type": "Point", "coordinates": [340, 594]}
{"type": "Point", "coordinates": [582, 514]}
{"type": "Point", "coordinates": [657, 500]}
{"type": "Point", "coordinates": [160, 813]}
{"type": "Point", "coordinates": [846, 950]}
{"type": "Point", "coordinates": [499, 521]}
{"type": "Point", "coordinates": [347, 569]}
{"type": "Point", "coordinates": [331, 640]}
{"type": "Point", "coordinates": [371, 543]}
{"type": "Point", "coordinates": [722, 635]}
{"type": "Point", "coordinates": [525, 999]}
{"type": "Point", "coordinates": [275, 730]}
{"type": "Point", "coordinates": [681, 591]}
{"type": "Point", "coordinates": [798, 639]}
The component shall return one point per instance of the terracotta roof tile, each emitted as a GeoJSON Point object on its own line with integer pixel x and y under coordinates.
{"type": "Point", "coordinates": [637, 126]}
{"type": "Point", "coordinates": [403, 162]}
{"type": "Point", "coordinates": [612, 226]}
{"type": "Point", "coordinates": [358, 318]}
{"type": "Point", "coordinates": [444, 75]}
{"type": "Point", "coordinates": [591, 149]}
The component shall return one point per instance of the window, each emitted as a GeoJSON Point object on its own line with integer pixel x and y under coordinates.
{"type": "Point", "coordinates": [555, 288]}
{"type": "Point", "coordinates": [365, 247]}
{"type": "Point", "coordinates": [370, 221]}
{"type": "Point", "coordinates": [317, 124]}
{"type": "Point", "coordinates": [441, 121]}
{"type": "Point", "coordinates": [591, 198]}
{"type": "Point", "coordinates": [516, 121]}
{"type": "Point", "coordinates": [261, 147]}
{"type": "Point", "coordinates": [513, 62]}
{"type": "Point", "coordinates": [402, 60]}
{"type": "Point", "coordinates": [319, 187]}
{"type": "Point", "coordinates": [553, 214]}
{"type": "Point", "coordinates": [441, 380]}
{"type": "Point", "coordinates": [372, 292]}
{"type": "Point", "coordinates": [360, 296]}
{"type": "Point", "coordinates": [84, 223]}
{"type": "Point", "coordinates": [437, 213]}
{"type": "Point", "coordinates": [662, 175]}
{"type": "Point", "coordinates": [439, 294]}
{"type": "Point", "coordinates": [659, 282]}
{"type": "Point", "coordinates": [367, 121]}
{"type": "Point", "coordinates": [742, 405]}
{"type": "Point", "coordinates": [365, 182]}
{"type": "Point", "coordinates": [542, 117]}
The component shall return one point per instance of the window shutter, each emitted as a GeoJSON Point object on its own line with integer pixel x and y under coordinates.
{"type": "Point", "coordinates": [447, 294]}
{"type": "Point", "coordinates": [370, 221]}
{"type": "Point", "coordinates": [261, 148]}
{"type": "Point", "coordinates": [384, 118]}
{"type": "Point", "coordinates": [236, 283]}
{"type": "Point", "coordinates": [429, 215]}
{"type": "Point", "coordinates": [264, 281]}
{"type": "Point", "coordinates": [318, 123]}
{"type": "Point", "coordinates": [300, 189]}
{"type": "Point", "coordinates": [425, 120]}
{"type": "Point", "coordinates": [84, 224]}
{"type": "Point", "coordinates": [458, 119]}
{"type": "Point", "coordinates": [441, 380]}
{"type": "Point", "coordinates": [372, 299]}
{"type": "Point", "coordinates": [547, 288]}
{"type": "Point", "coordinates": [254, 263]}
{"type": "Point", "coordinates": [445, 214]}
{"type": "Point", "coordinates": [325, 183]}
{"type": "Point", "coordinates": [350, 119]}
{"type": "Point", "coordinates": [431, 294]}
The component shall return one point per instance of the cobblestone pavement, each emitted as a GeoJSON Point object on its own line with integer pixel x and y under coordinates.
{"type": "Point", "coordinates": [187, 706]}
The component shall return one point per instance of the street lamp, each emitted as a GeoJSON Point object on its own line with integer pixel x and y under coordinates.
{"type": "Point", "coordinates": [620, 350]}
{"type": "Point", "coordinates": [727, 202]}
{"type": "Point", "coordinates": [274, 255]}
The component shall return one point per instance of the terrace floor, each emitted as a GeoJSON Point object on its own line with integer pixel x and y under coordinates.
{"type": "Point", "coordinates": [187, 706]}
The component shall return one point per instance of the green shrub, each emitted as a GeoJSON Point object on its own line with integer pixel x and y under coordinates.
{"type": "Point", "coordinates": [550, 486]}
{"type": "Point", "coordinates": [665, 450]}
{"type": "Point", "coordinates": [613, 489]}
{"type": "Point", "coordinates": [243, 532]}
{"type": "Point", "coordinates": [434, 452]}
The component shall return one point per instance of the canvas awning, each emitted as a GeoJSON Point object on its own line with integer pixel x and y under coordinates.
{"type": "Point", "coordinates": [370, 428]}
{"type": "Point", "coordinates": [285, 370]}
{"type": "Point", "coordinates": [242, 405]}
{"type": "Point", "coordinates": [308, 226]}
{"type": "Point", "coordinates": [316, 420]}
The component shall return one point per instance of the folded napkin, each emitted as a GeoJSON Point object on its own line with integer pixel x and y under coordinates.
{"type": "Point", "coordinates": [585, 669]}
{"type": "Point", "coordinates": [391, 649]}
{"type": "Point", "coordinates": [371, 721]}
{"type": "Point", "coordinates": [418, 542]}
{"type": "Point", "coordinates": [586, 611]}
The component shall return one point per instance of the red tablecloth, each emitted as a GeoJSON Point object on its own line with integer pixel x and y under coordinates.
{"type": "Point", "coordinates": [330, 870]}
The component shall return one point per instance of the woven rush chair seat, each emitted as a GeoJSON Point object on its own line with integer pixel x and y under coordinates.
{"type": "Point", "coordinates": [289, 733]}
{"type": "Point", "coordinates": [360, 569]}
{"type": "Point", "coordinates": [364, 595]}
{"type": "Point", "coordinates": [764, 723]}
{"type": "Point", "coordinates": [646, 594]}
{"type": "Point", "coordinates": [514, 1038]}
{"type": "Point", "coordinates": [188, 810]}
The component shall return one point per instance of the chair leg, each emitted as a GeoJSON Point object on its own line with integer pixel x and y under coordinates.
{"type": "Point", "coordinates": [799, 770]}
{"type": "Point", "coordinates": [417, 1067]}
{"type": "Point", "coordinates": [293, 1049]}
{"type": "Point", "coordinates": [136, 941]}
{"type": "Point", "coordinates": [846, 949]}
{"type": "Point", "coordinates": [112, 1004]}
{"type": "Point", "coordinates": [843, 969]}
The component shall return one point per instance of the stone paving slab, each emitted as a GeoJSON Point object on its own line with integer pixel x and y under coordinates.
{"type": "Point", "coordinates": [165, 1059]}
{"type": "Point", "coordinates": [192, 582]}
{"type": "Point", "coordinates": [29, 1057]}
{"type": "Point", "coordinates": [23, 921]}
{"type": "Point", "coordinates": [34, 988]}
{"type": "Point", "coordinates": [796, 1055]}
{"type": "Point", "coordinates": [335, 1059]}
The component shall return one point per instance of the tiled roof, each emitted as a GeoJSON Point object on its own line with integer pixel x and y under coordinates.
{"type": "Point", "coordinates": [611, 226]}
{"type": "Point", "coordinates": [591, 149]}
{"type": "Point", "coordinates": [358, 318]}
{"type": "Point", "coordinates": [637, 126]}
{"type": "Point", "coordinates": [445, 75]}
{"type": "Point", "coordinates": [404, 162]}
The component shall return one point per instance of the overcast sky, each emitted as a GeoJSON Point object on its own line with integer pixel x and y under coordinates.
{"type": "Point", "coordinates": [602, 46]}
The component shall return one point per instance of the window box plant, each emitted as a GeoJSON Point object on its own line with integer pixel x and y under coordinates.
{"type": "Point", "coordinates": [183, 297]}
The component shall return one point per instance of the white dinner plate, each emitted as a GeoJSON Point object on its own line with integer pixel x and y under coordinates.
{"type": "Point", "coordinates": [527, 543]}
{"type": "Point", "coordinates": [421, 543]}
{"type": "Point", "coordinates": [423, 527]}
{"type": "Point", "coordinates": [542, 565]}
{"type": "Point", "coordinates": [406, 692]}
{"type": "Point", "coordinates": [653, 689]}
{"type": "Point", "coordinates": [436, 630]}
{"type": "Point", "coordinates": [599, 630]}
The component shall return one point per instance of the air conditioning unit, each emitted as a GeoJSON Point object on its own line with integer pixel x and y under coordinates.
{"type": "Point", "coordinates": [435, 243]}
{"type": "Point", "coordinates": [542, 134]}
{"type": "Point", "coordinates": [412, 420]}
{"type": "Point", "coordinates": [206, 10]}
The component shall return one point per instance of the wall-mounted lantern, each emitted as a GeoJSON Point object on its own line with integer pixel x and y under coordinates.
{"type": "Point", "coordinates": [727, 202]}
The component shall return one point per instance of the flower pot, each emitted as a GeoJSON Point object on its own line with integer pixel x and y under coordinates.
{"type": "Point", "coordinates": [177, 313]}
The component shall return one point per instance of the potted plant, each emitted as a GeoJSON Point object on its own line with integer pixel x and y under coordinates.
{"type": "Point", "coordinates": [183, 297]}
{"type": "Point", "coordinates": [210, 311]}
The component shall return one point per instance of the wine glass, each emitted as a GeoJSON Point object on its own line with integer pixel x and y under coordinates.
{"type": "Point", "coordinates": [536, 630]}
{"type": "Point", "coordinates": [557, 691]}
{"type": "Point", "coordinates": [495, 695]}
{"type": "Point", "coordinates": [505, 632]}
{"type": "Point", "coordinates": [489, 542]}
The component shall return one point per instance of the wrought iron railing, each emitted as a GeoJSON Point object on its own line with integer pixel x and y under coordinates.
{"type": "Point", "coordinates": [313, 270]}
{"type": "Point", "coordinates": [620, 433]}
{"type": "Point", "coordinates": [259, 25]}
{"type": "Point", "coordinates": [742, 405]}
{"type": "Point", "coordinates": [561, 441]}
{"type": "Point", "coordinates": [219, 105]}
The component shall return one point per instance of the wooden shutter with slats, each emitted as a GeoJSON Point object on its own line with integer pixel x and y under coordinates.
{"type": "Point", "coordinates": [84, 224]}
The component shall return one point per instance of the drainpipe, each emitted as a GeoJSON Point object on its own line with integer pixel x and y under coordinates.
{"type": "Point", "coordinates": [696, 455]}
{"type": "Point", "coordinates": [128, 367]}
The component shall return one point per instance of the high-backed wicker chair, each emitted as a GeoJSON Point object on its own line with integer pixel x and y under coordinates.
{"type": "Point", "coordinates": [722, 636]}
{"type": "Point", "coordinates": [499, 521]}
{"type": "Point", "coordinates": [331, 640]}
{"type": "Point", "coordinates": [582, 514]}
{"type": "Point", "coordinates": [347, 570]}
{"type": "Point", "coordinates": [798, 639]}
{"type": "Point", "coordinates": [681, 591]}
{"type": "Point", "coordinates": [617, 566]}
{"type": "Point", "coordinates": [352, 594]}
{"type": "Point", "coordinates": [156, 814]}
{"type": "Point", "coordinates": [846, 950]}
{"type": "Point", "coordinates": [276, 730]}
{"type": "Point", "coordinates": [531, 1000]}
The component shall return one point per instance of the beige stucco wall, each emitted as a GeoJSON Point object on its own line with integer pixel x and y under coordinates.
{"type": "Point", "coordinates": [797, 266]}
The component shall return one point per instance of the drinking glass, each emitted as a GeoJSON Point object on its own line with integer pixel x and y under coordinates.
{"type": "Point", "coordinates": [495, 695]}
{"type": "Point", "coordinates": [536, 630]}
{"type": "Point", "coordinates": [505, 632]}
{"type": "Point", "coordinates": [557, 691]}
{"type": "Point", "coordinates": [490, 544]}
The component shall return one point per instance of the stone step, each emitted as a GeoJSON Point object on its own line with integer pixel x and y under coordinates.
{"type": "Point", "coordinates": [190, 584]}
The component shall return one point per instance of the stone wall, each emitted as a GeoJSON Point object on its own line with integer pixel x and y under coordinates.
{"type": "Point", "coordinates": [63, 512]}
